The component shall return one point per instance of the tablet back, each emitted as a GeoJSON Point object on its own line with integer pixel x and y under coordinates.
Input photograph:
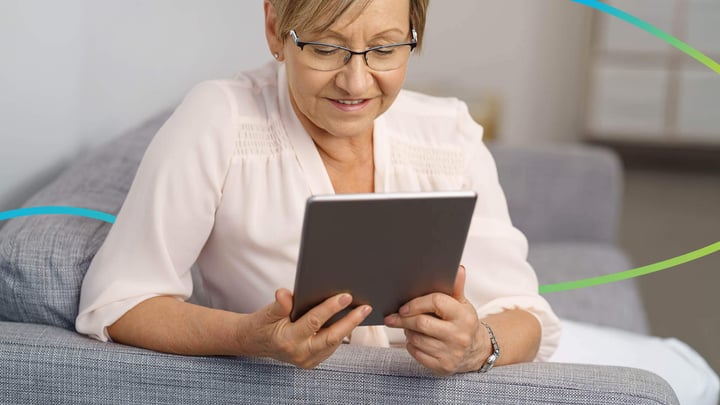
{"type": "Point", "coordinates": [384, 249]}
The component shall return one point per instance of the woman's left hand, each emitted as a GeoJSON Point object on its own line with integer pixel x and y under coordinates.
{"type": "Point", "coordinates": [443, 332]}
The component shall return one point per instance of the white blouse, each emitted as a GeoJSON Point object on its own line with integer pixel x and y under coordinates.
{"type": "Point", "coordinates": [224, 184]}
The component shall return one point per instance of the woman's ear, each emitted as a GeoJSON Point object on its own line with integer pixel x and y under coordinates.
{"type": "Point", "coordinates": [275, 44]}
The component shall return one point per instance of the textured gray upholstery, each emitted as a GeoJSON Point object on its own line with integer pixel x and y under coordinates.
{"type": "Point", "coordinates": [559, 193]}
{"type": "Point", "coordinates": [617, 304]}
{"type": "Point", "coordinates": [566, 199]}
{"type": "Point", "coordinates": [51, 365]}
{"type": "Point", "coordinates": [43, 260]}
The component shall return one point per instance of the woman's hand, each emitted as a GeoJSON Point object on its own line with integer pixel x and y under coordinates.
{"type": "Point", "coordinates": [304, 342]}
{"type": "Point", "coordinates": [443, 332]}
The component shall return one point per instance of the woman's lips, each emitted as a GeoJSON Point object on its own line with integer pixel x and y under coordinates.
{"type": "Point", "coordinates": [350, 105]}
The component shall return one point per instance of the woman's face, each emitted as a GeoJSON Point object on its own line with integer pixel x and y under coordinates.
{"type": "Point", "coordinates": [346, 101]}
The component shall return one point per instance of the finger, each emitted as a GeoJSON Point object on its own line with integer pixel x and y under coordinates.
{"type": "Point", "coordinates": [425, 343]}
{"type": "Point", "coordinates": [459, 286]}
{"type": "Point", "coordinates": [334, 335]}
{"type": "Point", "coordinates": [425, 324]}
{"type": "Point", "coordinates": [427, 360]}
{"type": "Point", "coordinates": [285, 298]}
{"type": "Point", "coordinates": [436, 303]}
{"type": "Point", "coordinates": [314, 319]}
{"type": "Point", "coordinates": [282, 306]}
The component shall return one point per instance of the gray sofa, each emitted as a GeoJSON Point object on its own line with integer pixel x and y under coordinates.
{"type": "Point", "coordinates": [565, 199]}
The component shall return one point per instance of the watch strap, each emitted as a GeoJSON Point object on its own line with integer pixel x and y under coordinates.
{"type": "Point", "coordinates": [490, 361]}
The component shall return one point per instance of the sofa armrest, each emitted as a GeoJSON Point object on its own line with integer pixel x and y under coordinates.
{"type": "Point", "coordinates": [567, 261]}
{"type": "Point", "coordinates": [45, 364]}
{"type": "Point", "coordinates": [561, 192]}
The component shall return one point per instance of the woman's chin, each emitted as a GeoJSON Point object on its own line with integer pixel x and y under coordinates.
{"type": "Point", "coordinates": [349, 132]}
{"type": "Point", "coordinates": [349, 127]}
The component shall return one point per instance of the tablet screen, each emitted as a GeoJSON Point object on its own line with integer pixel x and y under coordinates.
{"type": "Point", "coordinates": [384, 249]}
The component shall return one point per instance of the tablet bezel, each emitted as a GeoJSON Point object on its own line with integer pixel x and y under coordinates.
{"type": "Point", "coordinates": [422, 241]}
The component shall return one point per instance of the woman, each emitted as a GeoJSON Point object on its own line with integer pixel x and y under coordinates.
{"type": "Point", "coordinates": [225, 180]}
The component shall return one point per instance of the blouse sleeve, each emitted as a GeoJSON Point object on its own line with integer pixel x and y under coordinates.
{"type": "Point", "coordinates": [168, 213]}
{"type": "Point", "coordinates": [498, 274]}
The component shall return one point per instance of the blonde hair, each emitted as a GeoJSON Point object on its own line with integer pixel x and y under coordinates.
{"type": "Point", "coordinates": [319, 15]}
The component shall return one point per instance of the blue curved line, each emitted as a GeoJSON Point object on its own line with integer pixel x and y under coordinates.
{"type": "Point", "coordinates": [673, 41]}
{"type": "Point", "coordinates": [57, 210]}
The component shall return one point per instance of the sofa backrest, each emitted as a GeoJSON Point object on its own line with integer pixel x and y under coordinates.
{"type": "Point", "coordinates": [43, 259]}
{"type": "Point", "coordinates": [562, 192]}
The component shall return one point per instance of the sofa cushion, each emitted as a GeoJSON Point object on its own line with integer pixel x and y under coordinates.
{"type": "Point", "coordinates": [616, 304]}
{"type": "Point", "coordinates": [49, 365]}
{"type": "Point", "coordinates": [43, 259]}
{"type": "Point", "coordinates": [558, 193]}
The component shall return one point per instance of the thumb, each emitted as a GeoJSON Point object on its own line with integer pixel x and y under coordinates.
{"type": "Point", "coordinates": [459, 286]}
{"type": "Point", "coordinates": [280, 309]}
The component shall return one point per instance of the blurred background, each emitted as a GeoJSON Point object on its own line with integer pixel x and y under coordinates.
{"type": "Point", "coordinates": [76, 73]}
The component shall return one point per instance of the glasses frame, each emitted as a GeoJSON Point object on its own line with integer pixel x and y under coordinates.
{"type": "Point", "coordinates": [350, 53]}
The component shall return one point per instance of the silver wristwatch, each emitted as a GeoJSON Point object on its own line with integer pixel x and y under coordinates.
{"type": "Point", "coordinates": [490, 362]}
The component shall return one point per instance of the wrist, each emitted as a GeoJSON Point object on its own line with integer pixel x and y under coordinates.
{"type": "Point", "coordinates": [483, 345]}
{"type": "Point", "coordinates": [243, 342]}
{"type": "Point", "coordinates": [480, 350]}
{"type": "Point", "coordinates": [492, 351]}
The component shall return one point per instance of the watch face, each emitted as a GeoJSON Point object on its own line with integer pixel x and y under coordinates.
{"type": "Point", "coordinates": [489, 363]}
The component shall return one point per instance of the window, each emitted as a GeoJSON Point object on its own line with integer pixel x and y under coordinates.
{"type": "Point", "coordinates": [643, 90]}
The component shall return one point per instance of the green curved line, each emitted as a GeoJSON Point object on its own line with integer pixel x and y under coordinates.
{"type": "Point", "coordinates": [629, 18]}
{"type": "Point", "coordinates": [640, 271]}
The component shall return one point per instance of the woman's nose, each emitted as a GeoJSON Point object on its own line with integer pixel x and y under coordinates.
{"type": "Point", "coordinates": [355, 77]}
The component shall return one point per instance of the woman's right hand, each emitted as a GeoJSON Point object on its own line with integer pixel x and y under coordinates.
{"type": "Point", "coordinates": [304, 343]}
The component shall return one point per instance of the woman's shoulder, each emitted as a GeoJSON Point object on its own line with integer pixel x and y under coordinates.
{"type": "Point", "coordinates": [251, 93]}
{"type": "Point", "coordinates": [416, 103]}
{"type": "Point", "coordinates": [251, 104]}
{"type": "Point", "coordinates": [436, 119]}
{"type": "Point", "coordinates": [231, 113]}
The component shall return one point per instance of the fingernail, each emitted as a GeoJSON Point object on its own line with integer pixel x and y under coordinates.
{"type": "Point", "coordinates": [403, 310]}
{"type": "Point", "coordinates": [345, 299]}
{"type": "Point", "coordinates": [391, 319]}
{"type": "Point", "coordinates": [366, 310]}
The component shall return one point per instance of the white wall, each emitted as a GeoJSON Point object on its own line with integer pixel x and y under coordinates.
{"type": "Point", "coordinates": [74, 73]}
{"type": "Point", "coordinates": [531, 54]}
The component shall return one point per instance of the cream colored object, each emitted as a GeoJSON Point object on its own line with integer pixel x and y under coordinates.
{"type": "Point", "coordinates": [694, 382]}
{"type": "Point", "coordinates": [370, 336]}
{"type": "Point", "coordinates": [224, 183]}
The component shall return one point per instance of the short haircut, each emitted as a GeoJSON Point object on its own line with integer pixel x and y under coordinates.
{"type": "Point", "coordinates": [319, 15]}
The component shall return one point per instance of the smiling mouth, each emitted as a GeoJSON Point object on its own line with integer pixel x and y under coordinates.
{"type": "Point", "coordinates": [350, 102]}
{"type": "Point", "coordinates": [350, 106]}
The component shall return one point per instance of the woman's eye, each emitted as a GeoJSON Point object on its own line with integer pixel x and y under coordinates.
{"type": "Point", "coordinates": [384, 51]}
{"type": "Point", "coordinates": [324, 50]}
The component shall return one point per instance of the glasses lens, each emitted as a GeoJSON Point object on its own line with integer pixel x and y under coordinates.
{"type": "Point", "coordinates": [388, 57]}
{"type": "Point", "coordinates": [324, 57]}
{"type": "Point", "coordinates": [329, 57]}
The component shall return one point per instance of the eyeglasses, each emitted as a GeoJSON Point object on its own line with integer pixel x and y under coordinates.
{"type": "Point", "coordinates": [326, 57]}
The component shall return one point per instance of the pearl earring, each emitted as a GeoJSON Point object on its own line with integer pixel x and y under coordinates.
{"type": "Point", "coordinates": [276, 55]}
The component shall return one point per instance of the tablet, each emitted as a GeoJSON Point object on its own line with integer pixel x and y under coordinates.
{"type": "Point", "coordinates": [384, 249]}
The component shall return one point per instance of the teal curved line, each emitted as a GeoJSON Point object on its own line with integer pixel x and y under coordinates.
{"type": "Point", "coordinates": [640, 271]}
{"type": "Point", "coordinates": [694, 53]}
{"type": "Point", "coordinates": [57, 210]}
{"type": "Point", "coordinates": [544, 289]}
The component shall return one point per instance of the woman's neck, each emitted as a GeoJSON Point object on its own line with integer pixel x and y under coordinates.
{"type": "Point", "coordinates": [348, 161]}
{"type": "Point", "coordinates": [344, 153]}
